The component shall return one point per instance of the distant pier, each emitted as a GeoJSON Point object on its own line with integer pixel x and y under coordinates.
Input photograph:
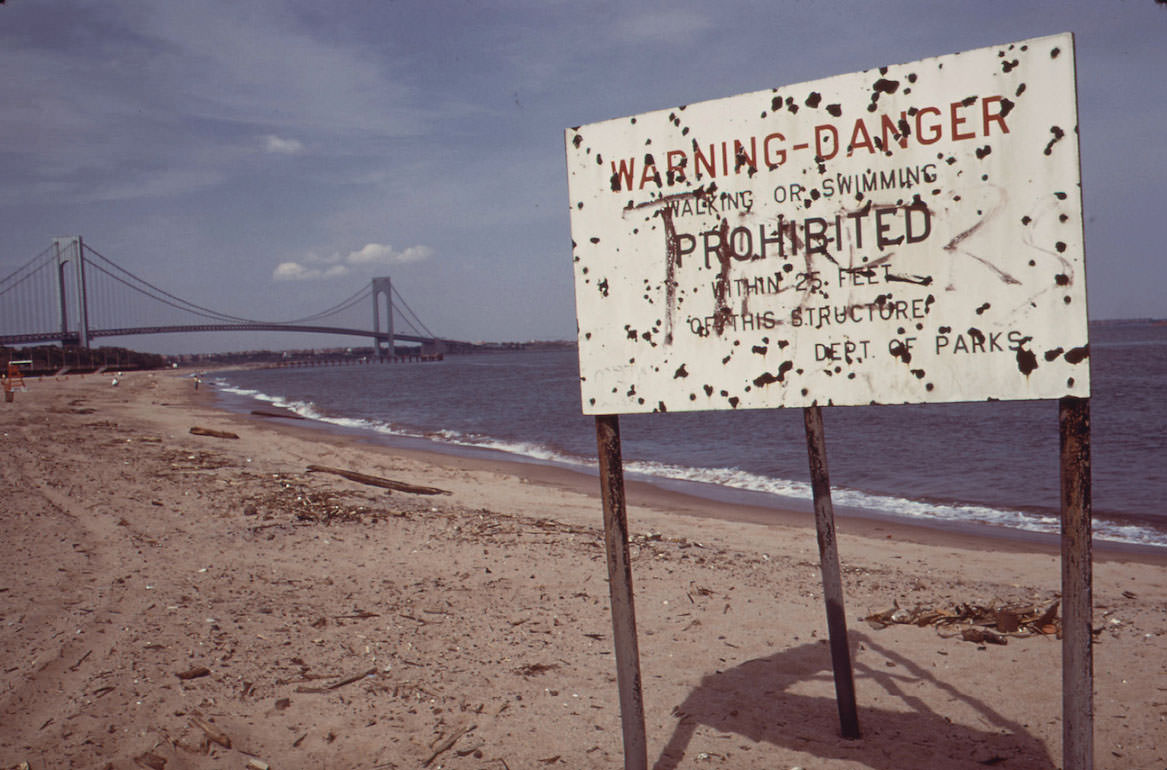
{"type": "Point", "coordinates": [340, 360]}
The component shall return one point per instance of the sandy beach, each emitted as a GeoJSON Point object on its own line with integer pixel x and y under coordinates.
{"type": "Point", "coordinates": [172, 600]}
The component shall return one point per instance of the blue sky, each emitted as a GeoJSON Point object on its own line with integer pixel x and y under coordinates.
{"type": "Point", "coordinates": [267, 158]}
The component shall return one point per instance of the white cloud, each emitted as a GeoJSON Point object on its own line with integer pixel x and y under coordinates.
{"type": "Point", "coordinates": [384, 254]}
{"type": "Point", "coordinates": [281, 146]}
{"type": "Point", "coordinates": [315, 267]}
{"type": "Point", "coordinates": [294, 271]}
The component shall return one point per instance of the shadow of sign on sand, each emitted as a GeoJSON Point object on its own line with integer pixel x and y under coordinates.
{"type": "Point", "coordinates": [761, 700]}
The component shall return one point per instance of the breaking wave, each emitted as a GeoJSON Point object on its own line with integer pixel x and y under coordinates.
{"type": "Point", "coordinates": [705, 482]}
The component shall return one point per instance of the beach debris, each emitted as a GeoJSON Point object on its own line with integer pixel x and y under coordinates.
{"type": "Point", "coordinates": [198, 431]}
{"type": "Point", "coordinates": [76, 665]}
{"type": "Point", "coordinates": [444, 745]}
{"type": "Point", "coordinates": [471, 746]}
{"type": "Point", "coordinates": [378, 481]}
{"type": "Point", "coordinates": [257, 764]}
{"type": "Point", "coordinates": [975, 622]}
{"type": "Point", "coordinates": [193, 673]}
{"type": "Point", "coordinates": [982, 636]}
{"type": "Point", "coordinates": [182, 461]}
{"type": "Point", "coordinates": [212, 733]}
{"type": "Point", "coordinates": [341, 683]}
{"type": "Point", "coordinates": [284, 415]}
{"type": "Point", "coordinates": [291, 503]}
{"type": "Point", "coordinates": [699, 590]}
{"type": "Point", "coordinates": [534, 669]}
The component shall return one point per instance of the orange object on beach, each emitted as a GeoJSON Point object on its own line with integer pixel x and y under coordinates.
{"type": "Point", "coordinates": [13, 380]}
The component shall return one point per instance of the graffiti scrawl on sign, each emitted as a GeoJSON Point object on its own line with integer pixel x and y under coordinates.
{"type": "Point", "coordinates": [901, 235]}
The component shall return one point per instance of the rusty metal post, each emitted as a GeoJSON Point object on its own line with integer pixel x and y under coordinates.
{"type": "Point", "coordinates": [1077, 591]}
{"type": "Point", "coordinates": [620, 592]}
{"type": "Point", "coordinates": [824, 521]}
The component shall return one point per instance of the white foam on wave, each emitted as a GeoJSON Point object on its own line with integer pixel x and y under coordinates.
{"type": "Point", "coordinates": [302, 408]}
{"type": "Point", "coordinates": [309, 410]}
{"type": "Point", "coordinates": [527, 449]}
{"type": "Point", "coordinates": [898, 507]}
{"type": "Point", "coordinates": [733, 478]}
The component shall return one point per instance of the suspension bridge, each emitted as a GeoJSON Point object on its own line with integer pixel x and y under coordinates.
{"type": "Point", "coordinates": [71, 294]}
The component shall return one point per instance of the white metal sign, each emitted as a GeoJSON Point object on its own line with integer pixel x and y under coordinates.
{"type": "Point", "coordinates": [901, 235]}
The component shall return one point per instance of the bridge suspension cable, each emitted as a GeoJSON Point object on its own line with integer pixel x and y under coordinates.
{"type": "Point", "coordinates": [177, 302]}
{"type": "Point", "coordinates": [161, 295]}
{"type": "Point", "coordinates": [405, 305]}
{"type": "Point", "coordinates": [11, 281]}
{"type": "Point", "coordinates": [336, 309]}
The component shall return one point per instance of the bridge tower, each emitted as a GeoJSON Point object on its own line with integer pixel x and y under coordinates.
{"type": "Point", "coordinates": [383, 287]}
{"type": "Point", "coordinates": [65, 250]}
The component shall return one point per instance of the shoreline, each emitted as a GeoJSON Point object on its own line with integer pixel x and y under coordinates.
{"type": "Point", "coordinates": [716, 503]}
{"type": "Point", "coordinates": [170, 598]}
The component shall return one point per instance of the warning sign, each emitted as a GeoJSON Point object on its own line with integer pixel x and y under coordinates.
{"type": "Point", "coordinates": [900, 235]}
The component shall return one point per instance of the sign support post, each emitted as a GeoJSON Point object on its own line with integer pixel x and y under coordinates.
{"type": "Point", "coordinates": [620, 592]}
{"type": "Point", "coordinates": [1077, 592]}
{"type": "Point", "coordinates": [824, 523]}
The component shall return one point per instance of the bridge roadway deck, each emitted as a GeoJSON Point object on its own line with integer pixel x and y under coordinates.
{"type": "Point", "coordinates": [19, 339]}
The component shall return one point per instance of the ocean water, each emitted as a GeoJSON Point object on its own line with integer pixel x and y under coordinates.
{"type": "Point", "coordinates": [956, 466]}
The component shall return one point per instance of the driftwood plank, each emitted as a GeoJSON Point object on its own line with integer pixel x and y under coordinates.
{"type": "Point", "coordinates": [196, 430]}
{"type": "Point", "coordinates": [211, 731]}
{"type": "Point", "coordinates": [378, 481]}
{"type": "Point", "coordinates": [284, 415]}
{"type": "Point", "coordinates": [447, 744]}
